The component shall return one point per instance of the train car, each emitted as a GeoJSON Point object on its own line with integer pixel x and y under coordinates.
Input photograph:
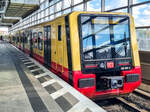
{"type": "Point", "coordinates": [16, 39]}
{"type": "Point", "coordinates": [95, 52]}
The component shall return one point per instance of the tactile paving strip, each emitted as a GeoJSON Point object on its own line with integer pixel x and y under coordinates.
{"type": "Point", "coordinates": [44, 78]}
{"type": "Point", "coordinates": [33, 67]}
{"type": "Point", "coordinates": [66, 97]}
{"type": "Point", "coordinates": [38, 72]}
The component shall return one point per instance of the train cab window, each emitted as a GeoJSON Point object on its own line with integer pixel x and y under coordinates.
{"type": "Point", "coordinates": [105, 37]}
{"type": "Point", "coordinates": [59, 32]}
{"type": "Point", "coordinates": [40, 41]}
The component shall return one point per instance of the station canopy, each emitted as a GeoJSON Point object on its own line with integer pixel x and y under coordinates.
{"type": "Point", "coordinates": [11, 11]}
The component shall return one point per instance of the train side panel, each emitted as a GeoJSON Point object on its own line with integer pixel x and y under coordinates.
{"type": "Point", "coordinates": [59, 59]}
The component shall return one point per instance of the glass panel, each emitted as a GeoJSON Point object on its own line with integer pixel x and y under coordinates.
{"type": "Point", "coordinates": [46, 3]}
{"type": "Point", "coordinates": [40, 41]}
{"type": "Point", "coordinates": [59, 33]}
{"type": "Point", "coordinates": [122, 10]}
{"type": "Point", "coordinates": [67, 11]}
{"type": "Point", "coordinates": [78, 8]}
{"type": "Point", "coordinates": [139, 1]}
{"type": "Point", "coordinates": [143, 37]}
{"type": "Point", "coordinates": [51, 17]}
{"type": "Point", "coordinates": [46, 12]}
{"type": "Point", "coordinates": [94, 5]}
{"type": "Point", "coordinates": [35, 40]}
{"type": "Point", "coordinates": [67, 3]}
{"type": "Point", "coordinates": [105, 37]}
{"type": "Point", "coordinates": [52, 10]}
{"type": "Point", "coordinates": [58, 14]}
{"type": "Point", "coordinates": [141, 15]}
{"type": "Point", "coordinates": [77, 1]}
{"type": "Point", "coordinates": [41, 1]}
{"type": "Point", "coordinates": [58, 6]}
{"type": "Point", "coordinates": [51, 2]}
{"type": "Point", "coordinates": [42, 6]}
{"type": "Point", "coordinates": [112, 4]}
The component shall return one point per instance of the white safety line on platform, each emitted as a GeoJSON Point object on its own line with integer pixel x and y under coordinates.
{"type": "Point", "coordinates": [28, 62]}
{"type": "Point", "coordinates": [41, 75]}
{"type": "Point", "coordinates": [31, 66]}
{"type": "Point", "coordinates": [48, 82]}
{"type": "Point", "coordinates": [35, 69]}
{"type": "Point", "coordinates": [23, 60]}
{"type": "Point", "coordinates": [78, 108]}
{"type": "Point", "coordinates": [58, 93]}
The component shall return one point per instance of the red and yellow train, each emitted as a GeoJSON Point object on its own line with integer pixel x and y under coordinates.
{"type": "Point", "coordinates": [95, 52]}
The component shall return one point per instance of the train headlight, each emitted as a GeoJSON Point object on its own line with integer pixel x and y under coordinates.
{"type": "Point", "coordinates": [87, 82]}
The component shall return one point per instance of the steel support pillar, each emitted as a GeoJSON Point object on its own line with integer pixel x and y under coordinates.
{"type": "Point", "coordinates": [102, 5]}
{"type": "Point", "coordinates": [130, 2]}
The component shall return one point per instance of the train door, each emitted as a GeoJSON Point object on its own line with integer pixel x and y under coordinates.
{"type": "Point", "coordinates": [59, 47]}
{"type": "Point", "coordinates": [31, 44]}
{"type": "Point", "coordinates": [47, 46]}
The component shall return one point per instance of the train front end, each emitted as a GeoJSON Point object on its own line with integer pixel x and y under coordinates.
{"type": "Point", "coordinates": [109, 58]}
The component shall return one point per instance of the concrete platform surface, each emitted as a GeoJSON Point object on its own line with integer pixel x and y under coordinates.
{"type": "Point", "coordinates": [27, 86]}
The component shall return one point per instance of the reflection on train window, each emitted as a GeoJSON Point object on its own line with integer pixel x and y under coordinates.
{"type": "Point", "coordinates": [40, 41]}
{"type": "Point", "coordinates": [35, 39]}
{"type": "Point", "coordinates": [17, 39]}
{"type": "Point", "coordinates": [26, 37]}
{"type": "Point", "coordinates": [105, 37]}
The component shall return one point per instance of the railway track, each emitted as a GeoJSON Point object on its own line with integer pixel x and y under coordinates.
{"type": "Point", "coordinates": [131, 105]}
{"type": "Point", "coordinates": [138, 101]}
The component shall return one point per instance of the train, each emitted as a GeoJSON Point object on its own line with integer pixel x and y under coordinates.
{"type": "Point", "coordinates": [95, 52]}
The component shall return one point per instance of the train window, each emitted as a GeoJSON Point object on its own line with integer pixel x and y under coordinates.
{"type": "Point", "coordinates": [26, 40]}
{"type": "Point", "coordinates": [59, 32]}
{"type": "Point", "coordinates": [27, 36]}
{"type": "Point", "coordinates": [17, 39]}
{"type": "Point", "coordinates": [40, 41]}
{"type": "Point", "coordinates": [24, 37]}
{"type": "Point", "coordinates": [35, 39]}
{"type": "Point", "coordinates": [105, 37]}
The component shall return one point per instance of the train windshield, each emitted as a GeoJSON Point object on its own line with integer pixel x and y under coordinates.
{"type": "Point", "coordinates": [105, 37]}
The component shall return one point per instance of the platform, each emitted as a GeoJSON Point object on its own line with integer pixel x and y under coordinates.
{"type": "Point", "coordinates": [27, 86]}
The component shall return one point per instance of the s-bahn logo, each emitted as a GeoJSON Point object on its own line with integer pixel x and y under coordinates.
{"type": "Point", "coordinates": [110, 64]}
